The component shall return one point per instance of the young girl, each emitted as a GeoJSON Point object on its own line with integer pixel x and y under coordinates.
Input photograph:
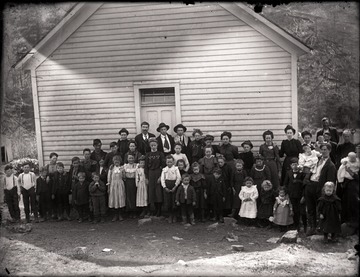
{"type": "Point", "coordinates": [196, 146]}
{"type": "Point", "coordinates": [208, 163]}
{"type": "Point", "coordinates": [180, 156]}
{"type": "Point", "coordinates": [130, 185]}
{"type": "Point", "coordinates": [132, 151]}
{"type": "Point", "coordinates": [266, 202]}
{"type": "Point", "coordinates": [283, 211]}
{"type": "Point", "coordinates": [181, 166]}
{"type": "Point", "coordinates": [11, 189]}
{"type": "Point", "coordinates": [227, 174]}
{"type": "Point", "coordinates": [260, 172]}
{"type": "Point", "coordinates": [116, 188]}
{"type": "Point", "coordinates": [141, 192]}
{"type": "Point", "coordinates": [186, 197]}
{"type": "Point", "coordinates": [248, 196]}
{"type": "Point", "coordinates": [154, 162]}
{"type": "Point", "coordinates": [199, 184]}
{"type": "Point", "coordinates": [239, 176]}
{"type": "Point", "coordinates": [170, 179]}
{"type": "Point", "coordinates": [270, 152]}
{"type": "Point", "coordinates": [247, 156]}
{"type": "Point", "coordinates": [329, 208]}
{"type": "Point", "coordinates": [43, 195]}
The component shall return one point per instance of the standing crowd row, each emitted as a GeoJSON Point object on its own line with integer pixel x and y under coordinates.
{"type": "Point", "coordinates": [189, 180]}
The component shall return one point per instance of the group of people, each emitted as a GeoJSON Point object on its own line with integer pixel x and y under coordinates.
{"type": "Point", "coordinates": [195, 180]}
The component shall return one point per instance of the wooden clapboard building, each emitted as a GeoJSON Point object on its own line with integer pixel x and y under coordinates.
{"type": "Point", "coordinates": [213, 66]}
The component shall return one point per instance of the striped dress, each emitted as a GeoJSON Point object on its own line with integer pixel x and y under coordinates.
{"type": "Point", "coordinates": [117, 188]}
{"type": "Point", "coordinates": [141, 193]}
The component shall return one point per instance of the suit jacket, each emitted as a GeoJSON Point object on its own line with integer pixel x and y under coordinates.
{"type": "Point", "coordinates": [161, 147]}
{"type": "Point", "coordinates": [180, 195]}
{"type": "Point", "coordinates": [143, 146]}
{"type": "Point", "coordinates": [333, 132]}
{"type": "Point", "coordinates": [294, 186]}
{"type": "Point", "coordinates": [328, 173]}
{"type": "Point", "coordinates": [185, 144]}
{"type": "Point", "coordinates": [60, 183]}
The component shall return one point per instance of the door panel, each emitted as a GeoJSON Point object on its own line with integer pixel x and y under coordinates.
{"type": "Point", "coordinates": [157, 114]}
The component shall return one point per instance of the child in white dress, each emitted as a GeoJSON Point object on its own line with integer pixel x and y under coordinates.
{"type": "Point", "coordinates": [308, 161]}
{"type": "Point", "coordinates": [351, 162]}
{"type": "Point", "coordinates": [248, 195]}
{"type": "Point", "coordinates": [283, 211]}
{"type": "Point", "coordinates": [141, 193]}
{"type": "Point", "coordinates": [116, 188]}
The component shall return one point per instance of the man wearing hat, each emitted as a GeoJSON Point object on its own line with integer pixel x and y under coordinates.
{"type": "Point", "coordinates": [326, 127]}
{"type": "Point", "coordinates": [123, 143]}
{"type": "Point", "coordinates": [166, 142]}
{"type": "Point", "coordinates": [183, 139]}
{"type": "Point", "coordinates": [142, 140]}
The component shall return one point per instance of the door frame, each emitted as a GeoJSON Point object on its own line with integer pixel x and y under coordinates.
{"type": "Point", "coordinates": [155, 84]}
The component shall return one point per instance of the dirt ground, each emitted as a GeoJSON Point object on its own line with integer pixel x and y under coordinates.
{"type": "Point", "coordinates": [160, 248]}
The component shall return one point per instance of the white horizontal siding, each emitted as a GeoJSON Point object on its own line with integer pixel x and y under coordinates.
{"type": "Point", "coordinates": [231, 77]}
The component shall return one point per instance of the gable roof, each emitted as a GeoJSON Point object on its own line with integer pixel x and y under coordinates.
{"type": "Point", "coordinates": [82, 11]}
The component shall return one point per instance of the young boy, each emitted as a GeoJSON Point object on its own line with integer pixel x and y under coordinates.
{"type": "Point", "coordinates": [109, 156]}
{"type": "Point", "coordinates": [61, 190]}
{"type": "Point", "coordinates": [199, 184]}
{"type": "Point", "coordinates": [97, 190]}
{"type": "Point", "coordinates": [186, 198]}
{"type": "Point", "coordinates": [9, 183]}
{"type": "Point", "coordinates": [88, 164]}
{"type": "Point", "coordinates": [294, 184]}
{"type": "Point", "coordinates": [27, 183]}
{"type": "Point", "coordinates": [170, 179]}
{"type": "Point", "coordinates": [98, 154]}
{"type": "Point", "coordinates": [80, 195]}
{"type": "Point", "coordinates": [217, 193]}
{"type": "Point", "coordinates": [43, 195]}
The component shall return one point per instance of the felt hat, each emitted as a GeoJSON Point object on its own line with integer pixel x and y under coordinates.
{"type": "Point", "coordinates": [180, 126]}
{"type": "Point", "coordinates": [247, 142]}
{"type": "Point", "coordinates": [226, 133]}
{"type": "Point", "coordinates": [209, 137]}
{"type": "Point", "coordinates": [162, 124]}
{"type": "Point", "coordinates": [123, 130]}
{"type": "Point", "coordinates": [289, 127]}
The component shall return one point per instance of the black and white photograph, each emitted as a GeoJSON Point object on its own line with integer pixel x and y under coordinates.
{"type": "Point", "coordinates": [180, 138]}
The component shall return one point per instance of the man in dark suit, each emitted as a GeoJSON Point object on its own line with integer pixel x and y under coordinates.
{"type": "Point", "coordinates": [166, 142]}
{"type": "Point", "coordinates": [326, 127]}
{"type": "Point", "coordinates": [325, 172]}
{"type": "Point", "coordinates": [142, 140]}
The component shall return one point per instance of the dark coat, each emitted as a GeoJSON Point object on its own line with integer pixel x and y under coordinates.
{"type": "Point", "coordinates": [294, 186]}
{"type": "Point", "coordinates": [333, 133]}
{"type": "Point", "coordinates": [80, 193]}
{"type": "Point", "coordinates": [328, 173]}
{"type": "Point", "coordinates": [98, 156]}
{"type": "Point", "coordinates": [108, 159]}
{"type": "Point", "coordinates": [42, 187]}
{"type": "Point", "coordinates": [99, 190]}
{"type": "Point", "coordinates": [330, 208]}
{"type": "Point", "coordinates": [141, 145]}
{"type": "Point", "coordinates": [123, 147]}
{"type": "Point", "coordinates": [180, 195]}
{"type": "Point", "coordinates": [248, 159]}
{"type": "Point", "coordinates": [217, 187]}
{"type": "Point", "coordinates": [342, 150]}
{"type": "Point", "coordinates": [196, 150]}
{"type": "Point", "coordinates": [161, 147]}
{"type": "Point", "coordinates": [60, 183]}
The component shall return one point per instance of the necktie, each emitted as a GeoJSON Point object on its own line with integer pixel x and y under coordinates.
{"type": "Point", "coordinates": [166, 144]}
{"type": "Point", "coordinates": [182, 140]}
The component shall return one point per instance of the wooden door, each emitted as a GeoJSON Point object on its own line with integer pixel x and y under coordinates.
{"type": "Point", "coordinates": [157, 114]}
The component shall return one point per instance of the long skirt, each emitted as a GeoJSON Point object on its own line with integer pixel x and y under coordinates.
{"type": "Point", "coordinates": [130, 188]}
{"type": "Point", "coordinates": [117, 194]}
{"type": "Point", "coordinates": [274, 173]}
{"type": "Point", "coordinates": [350, 202]}
{"type": "Point", "coordinates": [282, 216]}
{"type": "Point", "coordinates": [155, 190]}
{"type": "Point", "coordinates": [141, 195]}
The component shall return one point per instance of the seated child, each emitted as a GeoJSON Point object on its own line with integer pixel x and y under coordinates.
{"type": "Point", "coordinates": [308, 160]}
{"type": "Point", "coordinates": [141, 192]}
{"type": "Point", "coordinates": [199, 184]}
{"type": "Point", "coordinates": [180, 156]}
{"type": "Point", "coordinates": [97, 190]}
{"type": "Point", "coordinates": [248, 195]}
{"type": "Point", "coordinates": [43, 194]}
{"type": "Point", "coordinates": [170, 179]}
{"type": "Point", "coordinates": [266, 202]}
{"type": "Point", "coordinates": [283, 211]}
{"type": "Point", "coordinates": [11, 189]}
{"type": "Point", "coordinates": [80, 195]}
{"type": "Point", "coordinates": [186, 198]}
{"type": "Point", "coordinates": [329, 208]}
{"type": "Point", "coordinates": [352, 163]}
